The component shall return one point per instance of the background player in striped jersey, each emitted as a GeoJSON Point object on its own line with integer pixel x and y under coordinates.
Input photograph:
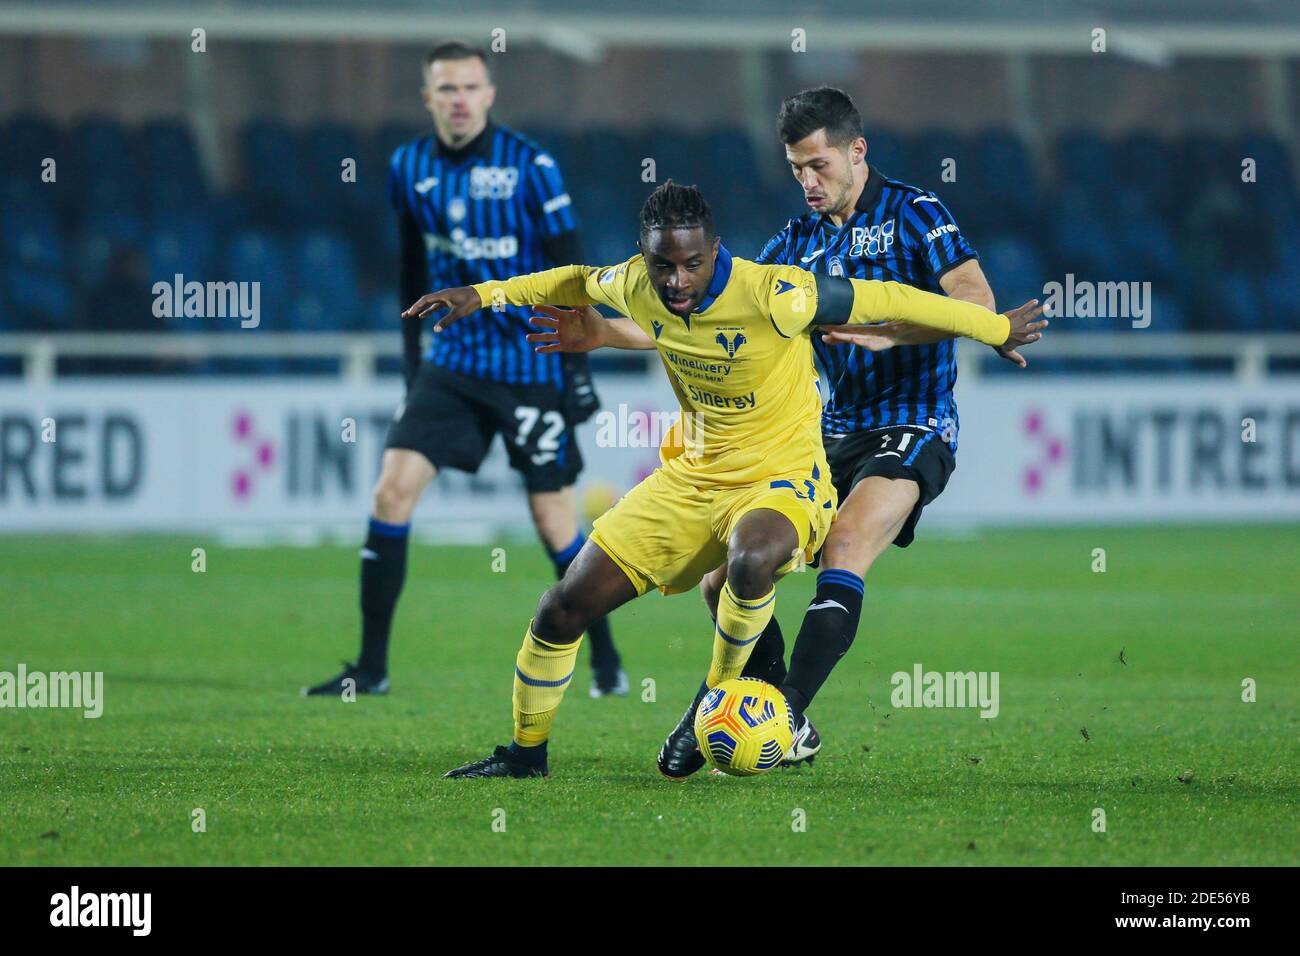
{"type": "Point", "coordinates": [476, 201]}
{"type": "Point", "coordinates": [890, 424]}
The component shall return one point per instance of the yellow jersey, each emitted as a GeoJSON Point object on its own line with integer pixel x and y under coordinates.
{"type": "Point", "coordinates": [741, 365]}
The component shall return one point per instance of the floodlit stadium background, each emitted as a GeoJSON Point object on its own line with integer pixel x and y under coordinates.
{"type": "Point", "coordinates": [1166, 160]}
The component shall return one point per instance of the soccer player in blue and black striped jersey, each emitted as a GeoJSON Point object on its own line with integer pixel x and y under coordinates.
{"type": "Point", "coordinates": [476, 201]}
{"type": "Point", "coordinates": [890, 425]}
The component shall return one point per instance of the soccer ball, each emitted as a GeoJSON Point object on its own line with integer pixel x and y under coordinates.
{"type": "Point", "coordinates": [744, 726]}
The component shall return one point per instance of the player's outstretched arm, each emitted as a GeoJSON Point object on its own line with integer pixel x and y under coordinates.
{"type": "Point", "coordinates": [875, 301]}
{"type": "Point", "coordinates": [458, 302]}
{"type": "Point", "coordinates": [566, 285]}
{"type": "Point", "coordinates": [582, 330]}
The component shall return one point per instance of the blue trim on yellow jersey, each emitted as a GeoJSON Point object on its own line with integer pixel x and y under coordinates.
{"type": "Point", "coordinates": [721, 275]}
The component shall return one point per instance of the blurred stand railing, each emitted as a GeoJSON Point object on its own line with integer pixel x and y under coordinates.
{"type": "Point", "coordinates": [1248, 357]}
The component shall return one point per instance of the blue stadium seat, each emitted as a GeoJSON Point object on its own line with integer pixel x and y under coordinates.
{"type": "Point", "coordinates": [1240, 302]}
{"type": "Point", "coordinates": [102, 162]}
{"type": "Point", "coordinates": [965, 195]}
{"type": "Point", "coordinates": [255, 256]}
{"type": "Point", "coordinates": [927, 154]}
{"type": "Point", "coordinates": [1014, 269]}
{"type": "Point", "coordinates": [1084, 159]}
{"type": "Point", "coordinates": [1145, 242]}
{"type": "Point", "coordinates": [28, 139]}
{"type": "Point", "coordinates": [382, 312]}
{"type": "Point", "coordinates": [1149, 163]}
{"type": "Point", "coordinates": [1281, 307]}
{"type": "Point", "coordinates": [173, 175]}
{"type": "Point", "coordinates": [324, 267]}
{"type": "Point", "coordinates": [182, 245]}
{"type": "Point", "coordinates": [1080, 236]}
{"type": "Point", "coordinates": [335, 202]}
{"type": "Point", "coordinates": [1006, 176]}
{"type": "Point", "coordinates": [887, 152]}
{"type": "Point", "coordinates": [41, 300]}
{"type": "Point", "coordinates": [273, 164]}
{"type": "Point", "coordinates": [731, 150]}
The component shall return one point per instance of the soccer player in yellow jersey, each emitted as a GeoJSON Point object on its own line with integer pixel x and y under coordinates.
{"type": "Point", "coordinates": [748, 484]}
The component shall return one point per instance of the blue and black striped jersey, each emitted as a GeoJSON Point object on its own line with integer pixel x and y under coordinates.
{"type": "Point", "coordinates": [900, 233]}
{"type": "Point", "coordinates": [484, 211]}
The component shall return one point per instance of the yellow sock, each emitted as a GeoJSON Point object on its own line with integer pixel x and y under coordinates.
{"type": "Point", "coordinates": [542, 672]}
{"type": "Point", "coordinates": [739, 624]}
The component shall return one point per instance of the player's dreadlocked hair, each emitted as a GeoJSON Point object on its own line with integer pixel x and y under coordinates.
{"type": "Point", "coordinates": [676, 207]}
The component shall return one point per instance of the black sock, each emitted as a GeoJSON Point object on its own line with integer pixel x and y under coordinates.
{"type": "Point", "coordinates": [534, 755]}
{"type": "Point", "coordinates": [604, 655]}
{"type": "Point", "coordinates": [383, 571]}
{"type": "Point", "coordinates": [829, 627]}
{"type": "Point", "coordinates": [767, 661]}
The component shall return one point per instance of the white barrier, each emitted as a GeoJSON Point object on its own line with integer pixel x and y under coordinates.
{"type": "Point", "coordinates": [274, 454]}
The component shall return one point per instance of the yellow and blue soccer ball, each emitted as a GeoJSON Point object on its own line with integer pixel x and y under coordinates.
{"type": "Point", "coordinates": [744, 726]}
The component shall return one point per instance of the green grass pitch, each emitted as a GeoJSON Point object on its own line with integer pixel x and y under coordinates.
{"type": "Point", "coordinates": [202, 710]}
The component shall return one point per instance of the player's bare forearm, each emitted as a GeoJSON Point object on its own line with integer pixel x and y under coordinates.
{"type": "Point", "coordinates": [622, 333]}
{"type": "Point", "coordinates": [967, 282]}
{"type": "Point", "coordinates": [582, 330]}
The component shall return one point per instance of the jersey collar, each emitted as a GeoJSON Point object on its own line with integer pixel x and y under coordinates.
{"type": "Point", "coordinates": [480, 145]}
{"type": "Point", "coordinates": [870, 191]}
{"type": "Point", "coordinates": [721, 275]}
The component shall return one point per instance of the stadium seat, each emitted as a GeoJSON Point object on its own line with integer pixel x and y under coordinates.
{"type": "Point", "coordinates": [323, 268]}
{"type": "Point", "coordinates": [1006, 176]}
{"type": "Point", "coordinates": [41, 299]}
{"type": "Point", "coordinates": [103, 169]}
{"type": "Point", "coordinates": [256, 256]}
{"type": "Point", "coordinates": [1084, 160]}
{"type": "Point", "coordinates": [887, 152]}
{"type": "Point", "coordinates": [1080, 237]}
{"type": "Point", "coordinates": [1014, 269]}
{"type": "Point", "coordinates": [273, 164]}
{"type": "Point", "coordinates": [382, 312]}
{"type": "Point", "coordinates": [1149, 164]}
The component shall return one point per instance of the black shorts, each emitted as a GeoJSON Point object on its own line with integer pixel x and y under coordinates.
{"type": "Point", "coordinates": [907, 451]}
{"type": "Point", "coordinates": [451, 420]}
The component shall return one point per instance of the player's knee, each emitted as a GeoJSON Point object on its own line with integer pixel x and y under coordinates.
{"type": "Point", "coordinates": [751, 571]}
{"type": "Point", "coordinates": [855, 544]}
{"type": "Point", "coordinates": [560, 617]}
{"type": "Point", "coordinates": [393, 502]}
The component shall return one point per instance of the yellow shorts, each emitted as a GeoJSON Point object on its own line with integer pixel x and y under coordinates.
{"type": "Point", "coordinates": [668, 533]}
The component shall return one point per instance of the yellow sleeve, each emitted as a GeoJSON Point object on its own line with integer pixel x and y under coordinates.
{"type": "Point", "coordinates": [565, 286]}
{"type": "Point", "coordinates": [875, 301]}
{"type": "Point", "coordinates": [570, 286]}
{"type": "Point", "coordinates": [791, 298]}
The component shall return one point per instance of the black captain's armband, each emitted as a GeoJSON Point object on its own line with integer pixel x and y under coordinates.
{"type": "Point", "coordinates": [834, 300]}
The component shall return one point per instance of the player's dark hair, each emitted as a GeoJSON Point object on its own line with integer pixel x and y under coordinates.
{"type": "Point", "coordinates": [456, 50]}
{"type": "Point", "coordinates": [823, 108]}
{"type": "Point", "coordinates": [676, 207]}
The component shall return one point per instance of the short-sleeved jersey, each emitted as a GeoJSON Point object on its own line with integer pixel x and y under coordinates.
{"type": "Point", "coordinates": [483, 212]}
{"type": "Point", "coordinates": [899, 233]}
{"type": "Point", "coordinates": [741, 363]}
